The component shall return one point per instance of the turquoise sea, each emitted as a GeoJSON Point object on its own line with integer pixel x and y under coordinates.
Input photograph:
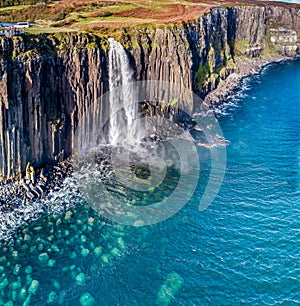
{"type": "Point", "coordinates": [244, 249]}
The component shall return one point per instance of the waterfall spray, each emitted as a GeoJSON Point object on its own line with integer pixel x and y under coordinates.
{"type": "Point", "coordinates": [121, 125]}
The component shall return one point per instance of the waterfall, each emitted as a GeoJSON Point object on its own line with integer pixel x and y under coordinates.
{"type": "Point", "coordinates": [121, 110]}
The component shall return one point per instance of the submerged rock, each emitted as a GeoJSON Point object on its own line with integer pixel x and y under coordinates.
{"type": "Point", "coordinates": [14, 296]}
{"type": "Point", "coordinates": [43, 257]}
{"type": "Point", "coordinates": [121, 242]}
{"type": "Point", "coordinates": [28, 270]}
{"type": "Point", "coordinates": [85, 252]}
{"type": "Point", "coordinates": [15, 285]}
{"type": "Point", "coordinates": [167, 291]}
{"type": "Point", "coordinates": [27, 301]}
{"type": "Point", "coordinates": [4, 283]}
{"type": "Point", "coordinates": [33, 286]}
{"type": "Point", "coordinates": [115, 252]}
{"type": "Point", "coordinates": [51, 262]}
{"type": "Point", "coordinates": [68, 215]}
{"type": "Point", "coordinates": [17, 269]}
{"type": "Point", "coordinates": [106, 258]}
{"type": "Point", "coordinates": [23, 294]}
{"type": "Point", "coordinates": [51, 297]}
{"type": "Point", "coordinates": [28, 279]}
{"type": "Point", "coordinates": [87, 300]}
{"type": "Point", "coordinates": [55, 283]}
{"type": "Point", "coordinates": [98, 251]}
{"type": "Point", "coordinates": [139, 223]}
{"type": "Point", "coordinates": [80, 278]}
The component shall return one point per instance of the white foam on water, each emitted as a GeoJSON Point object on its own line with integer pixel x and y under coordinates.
{"type": "Point", "coordinates": [56, 202]}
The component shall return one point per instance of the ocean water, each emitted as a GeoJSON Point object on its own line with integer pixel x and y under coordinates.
{"type": "Point", "coordinates": [244, 249]}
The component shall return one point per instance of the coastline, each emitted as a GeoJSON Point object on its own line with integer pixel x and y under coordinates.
{"type": "Point", "coordinates": [245, 68]}
{"type": "Point", "coordinates": [15, 199]}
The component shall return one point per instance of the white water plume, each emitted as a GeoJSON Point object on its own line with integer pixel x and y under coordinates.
{"type": "Point", "coordinates": [122, 122]}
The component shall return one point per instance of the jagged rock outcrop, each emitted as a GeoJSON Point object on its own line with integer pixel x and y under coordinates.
{"type": "Point", "coordinates": [41, 98]}
{"type": "Point", "coordinates": [48, 81]}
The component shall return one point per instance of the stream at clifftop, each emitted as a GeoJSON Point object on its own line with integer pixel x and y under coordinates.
{"type": "Point", "coordinates": [243, 249]}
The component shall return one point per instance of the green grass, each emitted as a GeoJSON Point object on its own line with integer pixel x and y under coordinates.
{"type": "Point", "coordinates": [87, 17]}
{"type": "Point", "coordinates": [125, 19]}
{"type": "Point", "coordinates": [202, 74]}
{"type": "Point", "coordinates": [269, 50]}
{"type": "Point", "coordinates": [241, 47]}
{"type": "Point", "coordinates": [46, 30]}
{"type": "Point", "coordinates": [118, 8]}
{"type": "Point", "coordinates": [16, 7]}
{"type": "Point", "coordinates": [111, 19]}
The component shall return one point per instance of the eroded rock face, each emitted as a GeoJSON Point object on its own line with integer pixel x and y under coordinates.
{"type": "Point", "coordinates": [41, 99]}
{"type": "Point", "coordinates": [48, 82]}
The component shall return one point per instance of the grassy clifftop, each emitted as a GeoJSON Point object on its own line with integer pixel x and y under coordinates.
{"type": "Point", "coordinates": [109, 15]}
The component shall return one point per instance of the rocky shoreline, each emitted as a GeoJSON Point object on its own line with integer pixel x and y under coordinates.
{"type": "Point", "coordinates": [14, 194]}
{"type": "Point", "coordinates": [245, 68]}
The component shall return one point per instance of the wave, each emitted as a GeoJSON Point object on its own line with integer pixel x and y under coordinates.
{"type": "Point", "coordinates": [57, 201]}
{"type": "Point", "coordinates": [235, 99]}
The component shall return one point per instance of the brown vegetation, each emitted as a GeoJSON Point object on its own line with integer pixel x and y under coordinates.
{"type": "Point", "coordinates": [97, 15]}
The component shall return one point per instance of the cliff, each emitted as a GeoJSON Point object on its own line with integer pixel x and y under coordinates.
{"type": "Point", "coordinates": [48, 81]}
